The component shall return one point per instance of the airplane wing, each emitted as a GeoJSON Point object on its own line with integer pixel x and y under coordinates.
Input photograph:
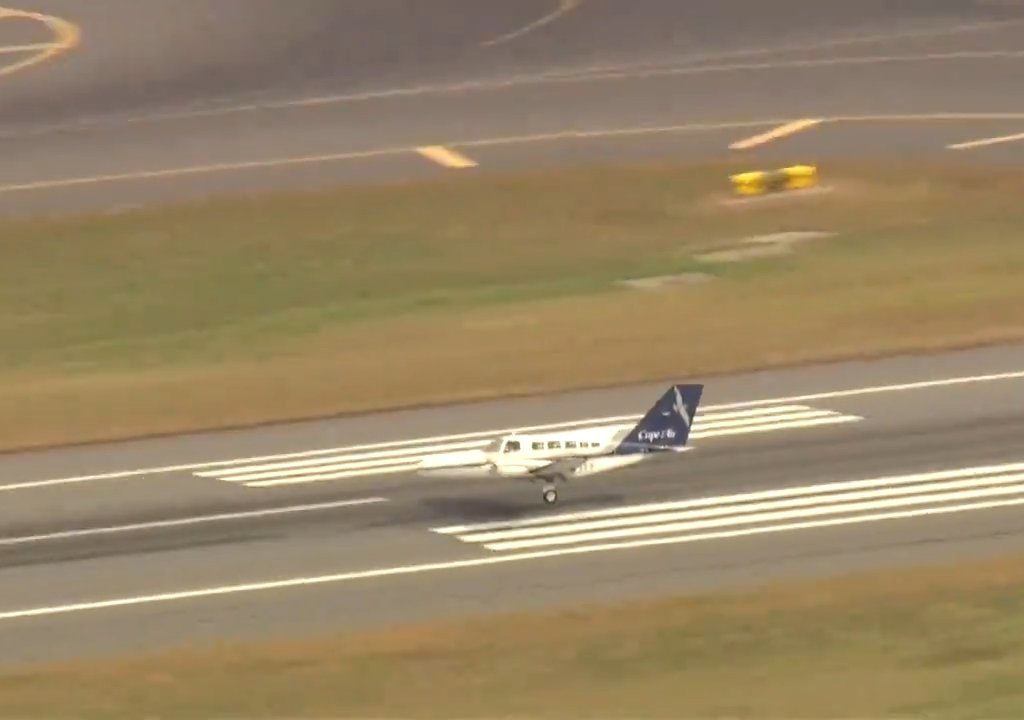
{"type": "Point", "coordinates": [559, 466]}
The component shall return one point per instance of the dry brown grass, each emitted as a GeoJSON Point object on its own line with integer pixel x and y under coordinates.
{"type": "Point", "coordinates": [233, 313]}
{"type": "Point", "coordinates": [937, 643]}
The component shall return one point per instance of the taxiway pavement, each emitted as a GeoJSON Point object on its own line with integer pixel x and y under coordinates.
{"type": "Point", "coordinates": [179, 100]}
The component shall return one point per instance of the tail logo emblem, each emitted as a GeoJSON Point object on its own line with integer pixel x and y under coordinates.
{"type": "Point", "coordinates": [681, 408]}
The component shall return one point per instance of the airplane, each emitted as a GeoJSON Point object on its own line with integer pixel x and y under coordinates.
{"type": "Point", "coordinates": [553, 457]}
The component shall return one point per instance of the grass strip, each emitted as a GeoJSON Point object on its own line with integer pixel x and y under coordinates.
{"type": "Point", "coordinates": [245, 310]}
{"type": "Point", "coordinates": [943, 642]}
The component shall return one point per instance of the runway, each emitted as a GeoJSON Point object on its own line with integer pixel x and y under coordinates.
{"type": "Point", "coordinates": [196, 102]}
{"type": "Point", "coordinates": [316, 527]}
{"type": "Point", "coordinates": [794, 473]}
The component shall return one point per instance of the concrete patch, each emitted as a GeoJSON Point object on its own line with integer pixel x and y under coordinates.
{"type": "Point", "coordinates": [769, 245]}
{"type": "Point", "coordinates": [658, 281]}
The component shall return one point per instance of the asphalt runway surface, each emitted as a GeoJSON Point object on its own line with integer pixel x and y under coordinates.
{"type": "Point", "coordinates": [167, 542]}
{"type": "Point", "coordinates": [301, 528]}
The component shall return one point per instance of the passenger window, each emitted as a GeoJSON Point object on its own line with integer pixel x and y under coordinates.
{"type": "Point", "coordinates": [554, 444]}
{"type": "Point", "coordinates": [538, 446]}
{"type": "Point", "coordinates": [570, 443]}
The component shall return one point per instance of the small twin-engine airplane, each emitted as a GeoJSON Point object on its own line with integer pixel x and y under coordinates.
{"type": "Point", "coordinates": [553, 457]}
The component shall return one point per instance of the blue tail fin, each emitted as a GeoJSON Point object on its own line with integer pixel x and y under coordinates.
{"type": "Point", "coordinates": [666, 426]}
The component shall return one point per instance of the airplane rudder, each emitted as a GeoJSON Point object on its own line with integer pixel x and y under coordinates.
{"type": "Point", "coordinates": [686, 398]}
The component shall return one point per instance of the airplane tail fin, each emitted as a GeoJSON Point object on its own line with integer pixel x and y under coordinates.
{"type": "Point", "coordinates": [666, 426]}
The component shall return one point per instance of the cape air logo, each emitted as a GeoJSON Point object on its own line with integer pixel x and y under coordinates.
{"type": "Point", "coordinates": [680, 409]}
{"type": "Point", "coordinates": [651, 435]}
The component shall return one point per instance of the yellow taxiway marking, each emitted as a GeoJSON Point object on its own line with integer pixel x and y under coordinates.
{"type": "Point", "coordinates": [66, 35]}
{"type": "Point", "coordinates": [986, 141]}
{"type": "Point", "coordinates": [564, 8]}
{"type": "Point", "coordinates": [443, 156]}
{"type": "Point", "coordinates": [781, 131]}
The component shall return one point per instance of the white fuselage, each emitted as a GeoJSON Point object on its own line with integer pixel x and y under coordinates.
{"type": "Point", "coordinates": [518, 456]}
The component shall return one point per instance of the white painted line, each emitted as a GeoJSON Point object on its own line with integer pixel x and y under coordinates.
{"type": "Point", "coordinates": [181, 522]}
{"type": "Point", "coordinates": [564, 8]}
{"type": "Point", "coordinates": [325, 470]}
{"type": "Point", "coordinates": [627, 70]}
{"type": "Point", "coordinates": [346, 464]}
{"type": "Point", "coordinates": [876, 389]}
{"type": "Point", "coordinates": [747, 512]}
{"type": "Point", "coordinates": [307, 453]}
{"type": "Point", "coordinates": [381, 455]}
{"type": "Point", "coordinates": [446, 157]}
{"type": "Point", "coordinates": [341, 471]}
{"type": "Point", "coordinates": [774, 427]}
{"type": "Point", "coordinates": [759, 416]}
{"type": "Point", "coordinates": [373, 472]}
{"type": "Point", "coordinates": [781, 131]}
{"type": "Point", "coordinates": [337, 458]}
{"type": "Point", "coordinates": [985, 142]}
{"type": "Point", "coordinates": [600, 133]}
{"type": "Point", "coordinates": [428, 443]}
{"type": "Point", "coordinates": [202, 169]}
{"type": "Point", "coordinates": [743, 405]}
{"type": "Point", "coordinates": [14, 49]}
{"type": "Point", "coordinates": [759, 517]}
{"type": "Point", "coordinates": [822, 489]}
{"type": "Point", "coordinates": [502, 559]}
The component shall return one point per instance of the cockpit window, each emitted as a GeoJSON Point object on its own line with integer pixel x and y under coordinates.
{"type": "Point", "coordinates": [512, 446]}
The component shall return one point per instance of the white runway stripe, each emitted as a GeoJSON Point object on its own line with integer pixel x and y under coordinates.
{"type": "Point", "coordinates": [821, 490]}
{"type": "Point", "coordinates": [853, 499]}
{"type": "Point", "coordinates": [16, 485]}
{"type": "Point", "coordinates": [773, 426]}
{"type": "Point", "coordinates": [398, 457]}
{"type": "Point", "coordinates": [301, 465]}
{"type": "Point", "coordinates": [744, 512]}
{"type": "Point", "coordinates": [368, 472]}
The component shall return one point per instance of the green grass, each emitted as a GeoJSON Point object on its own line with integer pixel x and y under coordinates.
{"type": "Point", "coordinates": [246, 310]}
{"type": "Point", "coordinates": [928, 643]}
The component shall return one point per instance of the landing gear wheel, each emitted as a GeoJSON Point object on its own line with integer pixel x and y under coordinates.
{"type": "Point", "coordinates": [550, 496]}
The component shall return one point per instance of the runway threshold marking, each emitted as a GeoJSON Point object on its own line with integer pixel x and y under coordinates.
{"type": "Point", "coordinates": [446, 157]}
{"type": "Point", "coordinates": [563, 8]}
{"type": "Point", "coordinates": [985, 142]}
{"type": "Point", "coordinates": [900, 497]}
{"type": "Point", "coordinates": [346, 463]}
{"type": "Point", "coordinates": [746, 509]}
{"type": "Point", "coordinates": [182, 522]}
{"type": "Point", "coordinates": [790, 128]}
{"type": "Point", "coordinates": [747, 404]}
{"type": "Point", "coordinates": [66, 35]}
